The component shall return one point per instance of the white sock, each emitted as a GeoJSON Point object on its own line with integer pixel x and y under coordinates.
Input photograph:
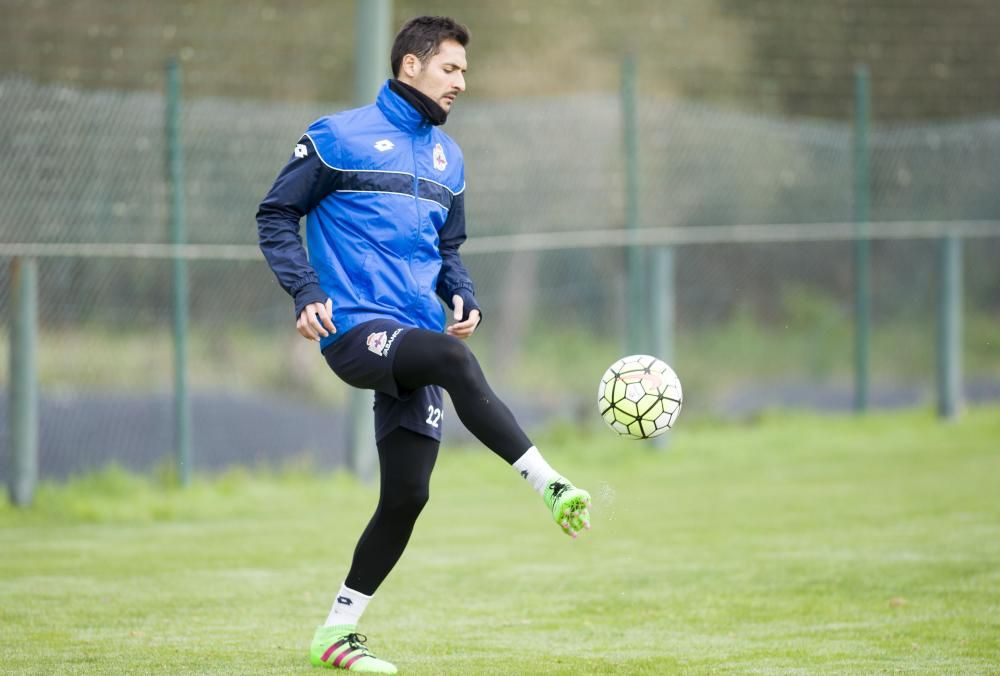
{"type": "Point", "coordinates": [532, 467]}
{"type": "Point", "coordinates": [347, 607]}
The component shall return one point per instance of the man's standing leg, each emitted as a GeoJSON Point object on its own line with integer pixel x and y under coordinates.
{"type": "Point", "coordinates": [406, 460]}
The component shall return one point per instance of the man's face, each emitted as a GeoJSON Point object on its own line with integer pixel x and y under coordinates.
{"type": "Point", "coordinates": [442, 78]}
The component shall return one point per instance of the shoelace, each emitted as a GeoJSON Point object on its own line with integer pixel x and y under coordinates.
{"type": "Point", "coordinates": [558, 488]}
{"type": "Point", "coordinates": [357, 642]}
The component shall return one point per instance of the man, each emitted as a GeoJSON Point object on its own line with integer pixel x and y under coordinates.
{"type": "Point", "coordinates": [383, 192]}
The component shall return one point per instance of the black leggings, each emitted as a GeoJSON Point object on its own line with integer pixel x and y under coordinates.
{"type": "Point", "coordinates": [430, 358]}
{"type": "Point", "coordinates": [405, 461]}
{"type": "Point", "coordinates": [406, 458]}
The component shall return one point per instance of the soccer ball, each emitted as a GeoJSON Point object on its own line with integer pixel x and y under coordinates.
{"type": "Point", "coordinates": [639, 397]}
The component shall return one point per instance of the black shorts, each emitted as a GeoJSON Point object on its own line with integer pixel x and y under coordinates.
{"type": "Point", "coordinates": [363, 358]}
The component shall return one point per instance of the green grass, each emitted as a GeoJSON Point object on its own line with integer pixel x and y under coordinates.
{"type": "Point", "coordinates": [796, 544]}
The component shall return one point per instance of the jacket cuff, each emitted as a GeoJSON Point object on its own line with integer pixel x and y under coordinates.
{"type": "Point", "coordinates": [468, 302]}
{"type": "Point", "coordinates": [308, 293]}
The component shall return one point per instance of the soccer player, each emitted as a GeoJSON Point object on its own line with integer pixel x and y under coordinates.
{"type": "Point", "coordinates": [383, 192]}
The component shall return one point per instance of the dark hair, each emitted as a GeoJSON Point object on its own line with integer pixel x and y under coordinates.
{"type": "Point", "coordinates": [422, 36]}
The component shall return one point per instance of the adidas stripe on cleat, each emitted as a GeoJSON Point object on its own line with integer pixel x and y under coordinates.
{"type": "Point", "coordinates": [570, 506]}
{"type": "Point", "coordinates": [340, 647]}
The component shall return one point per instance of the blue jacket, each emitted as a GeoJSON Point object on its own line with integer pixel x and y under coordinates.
{"type": "Point", "coordinates": [383, 192]}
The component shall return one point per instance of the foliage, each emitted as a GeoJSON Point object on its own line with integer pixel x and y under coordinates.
{"type": "Point", "coordinates": [809, 341]}
{"type": "Point", "coordinates": [759, 54]}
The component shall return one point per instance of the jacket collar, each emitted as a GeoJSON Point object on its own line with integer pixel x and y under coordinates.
{"type": "Point", "coordinates": [400, 113]}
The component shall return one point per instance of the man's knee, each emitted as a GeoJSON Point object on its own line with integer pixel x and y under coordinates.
{"type": "Point", "coordinates": [461, 363]}
{"type": "Point", "coordinates": [406, 498]}
{"type": "Point", "coordinates": [455, 353]}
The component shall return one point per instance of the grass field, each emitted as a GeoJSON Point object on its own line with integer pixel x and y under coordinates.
{"type": "Point", "coordinates": [796, 544]}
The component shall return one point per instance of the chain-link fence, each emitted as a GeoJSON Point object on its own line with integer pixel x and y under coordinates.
{"type": "Point", "coordinates": [758, 325]}
{"type": "Point", "coordinates": [743, 117]}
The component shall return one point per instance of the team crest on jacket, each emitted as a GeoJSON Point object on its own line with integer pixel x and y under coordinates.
{"type": "Point", "coordinates": [440, 161]}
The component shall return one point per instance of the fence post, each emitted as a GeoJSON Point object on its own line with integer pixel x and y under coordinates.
{"type": "Point", "coordinates": [373, 22]}
{"type": "Point", "coordinates": [373, 19]}
{"type": "Point", "coordinates": [178, 237]}
{"type": "Point", "coordinates": [662, 306]}
{"type": "Point", "coordinates": [23, 403]}
{"type": "Point", "coordinates": [636, 327]}
{"type": "Point", "coordinates": [662, 312]}
{"type": "Point", "coordinates": [862, 245]}
{"type": "Point", "coordinates": [949, 348]}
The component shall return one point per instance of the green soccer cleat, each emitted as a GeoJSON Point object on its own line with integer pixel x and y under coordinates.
{"type": "Point", "coordinates": [570, 506]}
{"type": "Point", "coordinates": [340, 647]}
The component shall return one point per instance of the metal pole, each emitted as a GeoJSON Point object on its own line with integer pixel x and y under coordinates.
{"type": "Point", "coordinates": [23, 405]}
{"type": "Point", "coordinates": [949, 352]}
{"type": "Point", "coordinates": [635, 316]}
{"type": "Point", "coordinates": [372, 43]}
{"type": "Point", "coordinates": [178, 236]}
{"type": "Point", "coordinates": [663, 305]}
{"type": "Point", "coordinates": [663, 309]}
{"type": "Point", "coordinates": [862, 245]}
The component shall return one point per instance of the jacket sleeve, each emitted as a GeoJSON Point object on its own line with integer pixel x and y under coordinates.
{"type": "Point", "coordinates": [454, 278]}
{"type": "Point", "coordinates": [300, 186]}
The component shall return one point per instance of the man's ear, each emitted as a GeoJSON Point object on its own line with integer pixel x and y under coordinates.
{"type": "Point", "coordinates": [411, 65]}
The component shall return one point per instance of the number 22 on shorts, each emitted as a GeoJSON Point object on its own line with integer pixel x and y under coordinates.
{"type": "Point", "coordinates": [433, 416]}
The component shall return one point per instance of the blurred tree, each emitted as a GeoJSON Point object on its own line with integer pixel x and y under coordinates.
{"type": "Point", "coordinates": [929, 59]}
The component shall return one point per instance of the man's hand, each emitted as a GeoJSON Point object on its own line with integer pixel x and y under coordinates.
{"type": "Point", "coordinates": [462, 329]}
{"type": "Point", "coordinates": [316, 320]}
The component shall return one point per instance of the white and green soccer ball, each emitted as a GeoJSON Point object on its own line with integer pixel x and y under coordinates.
{"type": "Point", "coordinates": [639, 397]}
